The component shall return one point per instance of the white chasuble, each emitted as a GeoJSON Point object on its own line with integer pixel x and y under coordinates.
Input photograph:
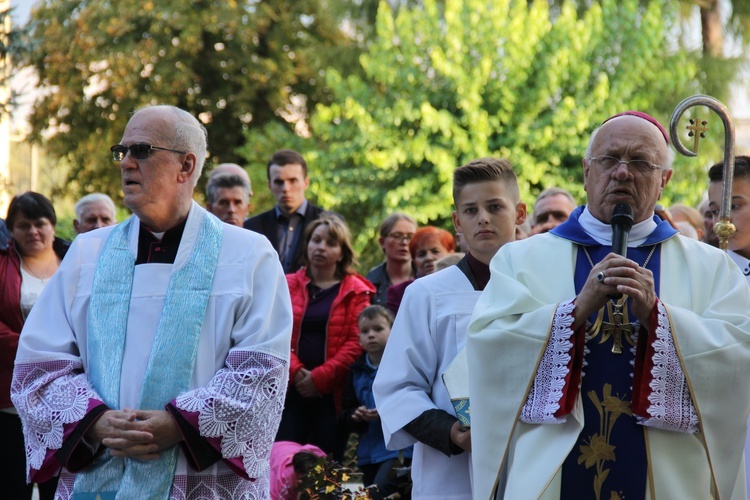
{"type": "Point", "coordinates": [704, 297]}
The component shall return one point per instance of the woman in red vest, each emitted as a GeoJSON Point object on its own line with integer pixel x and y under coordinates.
{"type": "Point", "coordinates": [327, 297]}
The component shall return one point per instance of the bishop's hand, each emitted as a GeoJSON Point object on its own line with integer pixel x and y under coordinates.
{"type": "Point", "coordinates": [616, 274]}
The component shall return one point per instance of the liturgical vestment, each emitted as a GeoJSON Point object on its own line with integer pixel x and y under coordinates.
{"type": "Point", "coordinates": [699, 339]}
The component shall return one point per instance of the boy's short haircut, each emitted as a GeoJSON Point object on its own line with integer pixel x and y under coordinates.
{"type": "Point", "coordinates": [373, 311]}
{"type": "Point", "coordinates": [486, 169]}
{"type": "Point", "coordinates": [741, 169]}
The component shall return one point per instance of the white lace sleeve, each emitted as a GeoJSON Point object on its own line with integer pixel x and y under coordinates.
{"type": "Point", "coordinates": [547, 389]}
{"type": "Point", "coordinates": [49, 396]}
{"type": "Point", "coordinates": [671, 407]}
{"type": "Point", "coordinates": [240, 408]}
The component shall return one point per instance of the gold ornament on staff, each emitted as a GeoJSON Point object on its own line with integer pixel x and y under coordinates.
{"type": "Point", "coordinates": [724, 228]}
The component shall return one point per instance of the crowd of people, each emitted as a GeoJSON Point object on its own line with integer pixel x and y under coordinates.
{"type": "Point", "coordinates": [180, 354]}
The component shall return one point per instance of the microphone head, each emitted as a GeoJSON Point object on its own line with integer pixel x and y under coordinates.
{"type": "Point", "coordinates": [622, 216]}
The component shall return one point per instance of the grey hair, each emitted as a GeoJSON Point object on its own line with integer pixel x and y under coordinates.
{"type": "Point", "coordinates": [91, 199]}
{"type": "Point", "coordinates": [189, 135]}
{"type": "Point", "coordinates": [225, 181]}
{"type": "Point", "coordinates": [668, 161]}
{"type": "Point", "coordinates": [554, 191]}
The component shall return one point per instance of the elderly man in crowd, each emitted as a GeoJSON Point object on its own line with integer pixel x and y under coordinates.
{"type": "Point", "coordinates": [93, 211]}
{"type": "Point", "coordinates": [662, 336]}
{"type": "Point", "coordinates": [154, 364]}
{"type": "Point", "coordinates": [553, 206]}
{"type": "Point", "coordinates": [228, 193]}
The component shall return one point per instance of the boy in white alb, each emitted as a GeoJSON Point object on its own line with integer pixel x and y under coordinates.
{"type": "Point", "coordinates": [430, 330]}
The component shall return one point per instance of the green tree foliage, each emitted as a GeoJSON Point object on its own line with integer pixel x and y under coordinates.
{"type": "Point", "coordinates": [236, 65]}
{"type": "Point", "coordinates": [461, 79]}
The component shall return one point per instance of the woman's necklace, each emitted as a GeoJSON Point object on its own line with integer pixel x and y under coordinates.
{"type": "Point", "coordinates": [45, 276]}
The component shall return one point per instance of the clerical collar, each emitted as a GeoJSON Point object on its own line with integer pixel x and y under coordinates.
{"type": "Point", "coordinates": [300, 211]}
{"type": "Point", "coordinates": [597, 233]}
{"type": "Point", "coordinates": [155, 250]}
{"type": "Point", "coordinates": [742, 262]}
{"type": "Point", "coordinates": [602, 232]}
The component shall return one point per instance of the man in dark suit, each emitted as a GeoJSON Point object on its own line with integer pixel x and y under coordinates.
{"type": "Point", "coordinates": [284, 225]}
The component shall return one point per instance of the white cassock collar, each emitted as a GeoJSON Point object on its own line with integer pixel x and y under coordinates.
{"type": "Point", "coordinates": [602, 232]}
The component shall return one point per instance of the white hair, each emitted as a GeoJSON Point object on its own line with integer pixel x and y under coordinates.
{"type": "Point", "coordinates": [189, 135]}
{"type": "Point", "coordinates": [91, 199]}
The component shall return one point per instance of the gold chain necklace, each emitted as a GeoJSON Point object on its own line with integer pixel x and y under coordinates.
{"type": "Point", "coordinates": [617, 312]}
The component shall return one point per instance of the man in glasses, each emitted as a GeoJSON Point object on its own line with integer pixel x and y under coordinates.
{"type": "Point", "coordinates": [228, 193]}
{"type": "Point", "coordinates": [156, 364]}
{"type": "Point", "coordinates": [284, 225]}
{"type": "Point", "coordinates": [598, 375]}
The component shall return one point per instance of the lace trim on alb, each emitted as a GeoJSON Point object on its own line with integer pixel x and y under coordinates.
{"type": "Point", "coordinates": [242, 406]}
{"type": "Point", "coordinates": [49, 395]}
{"type": "Point", "coordinates": [547, 390]}
{"type": "Point", "coordinates": [227, 486]}
{"type": "Point", "coordinates": [671, 407]}
{"type": "Point", "coordinates": [224, 487]}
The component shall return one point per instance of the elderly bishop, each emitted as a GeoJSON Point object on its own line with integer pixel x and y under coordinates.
{"type": "Point", "coordinates": [594, 374]}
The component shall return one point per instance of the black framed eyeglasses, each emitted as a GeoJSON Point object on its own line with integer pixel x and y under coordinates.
{"type": "Point", "coordinates": [139, 151]}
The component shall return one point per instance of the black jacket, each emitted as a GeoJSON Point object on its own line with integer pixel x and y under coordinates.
{"type": "Point", "coordinates": [265, 224]}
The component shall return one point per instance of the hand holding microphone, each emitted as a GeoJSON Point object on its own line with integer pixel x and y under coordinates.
{"type": "Point", "coordinates": [617, 271]}
{"type": "Point", "coordinates": [621, 222]}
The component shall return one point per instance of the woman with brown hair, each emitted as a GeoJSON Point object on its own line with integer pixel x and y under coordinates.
{"type": "Point", "coordinates": [327, 296]}
{"type": "Point", "coordinates": [396, 232]}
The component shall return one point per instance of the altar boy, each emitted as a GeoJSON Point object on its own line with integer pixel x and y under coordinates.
{"type": "Point", "coordinates": [430, 330]}
{"type": "Point", "coordinates": [739, 243]}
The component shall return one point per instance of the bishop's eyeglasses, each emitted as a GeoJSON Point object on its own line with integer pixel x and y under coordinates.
{"type": "Point", "coordinates": [610, 164]}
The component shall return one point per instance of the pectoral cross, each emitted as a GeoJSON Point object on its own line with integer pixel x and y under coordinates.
{"type": "Point", "coordinates": [617, 325]}
{"type": "Point", "coordinates": [697, 128]}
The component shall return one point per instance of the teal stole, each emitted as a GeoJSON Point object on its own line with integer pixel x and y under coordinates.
{"type": "Point", "coordinates": [171, 362]}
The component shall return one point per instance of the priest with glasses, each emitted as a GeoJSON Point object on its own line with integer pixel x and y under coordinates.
{"type": "Point", "coordinates": [155, 362]}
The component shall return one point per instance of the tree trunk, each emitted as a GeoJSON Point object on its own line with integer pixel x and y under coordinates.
{"type": "Point", "coordinates": [711, 30]}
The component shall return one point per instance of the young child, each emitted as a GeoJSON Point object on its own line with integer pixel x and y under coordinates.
{"type": "Point", "coordinates": [290, 461]}
{"type": "Point", "coordinates": [739, 243]}
{"type": "Point", "coordinates": [359, 412]}
{"type": "Point", "coordinates": [430, 330]}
